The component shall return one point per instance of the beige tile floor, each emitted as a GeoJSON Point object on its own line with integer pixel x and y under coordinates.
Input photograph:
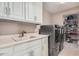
{"type": "Point", "coordinates": [70, 49]}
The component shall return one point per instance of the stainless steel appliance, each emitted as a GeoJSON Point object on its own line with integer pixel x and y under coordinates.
{"type": "Point", "coordinates": [55, 42]}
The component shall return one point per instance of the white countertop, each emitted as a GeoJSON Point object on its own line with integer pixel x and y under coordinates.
{"type": "Point", "coordinates": [7, 40]}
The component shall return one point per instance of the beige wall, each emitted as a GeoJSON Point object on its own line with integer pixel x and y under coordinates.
{"type": "Point", "coordinates": [58, 17]}
{"type": "Point", "coordinates": [46, 17]}
{"type": "Point", "coordinates": [10, 27]}
{"type": "Point", "coordinates": [7, 27]}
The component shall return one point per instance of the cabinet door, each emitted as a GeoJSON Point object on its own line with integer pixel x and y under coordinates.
{"type": "Point", "coordinates": [16, 10]}
{"type": "Point", "coordinates": [38, 12]}
{"type": "Point", "coordinates": [26, 9]}
{"type": "Point", "coordinates": [33, 51]}
{"type": "Point", "coordinates": [31, 11]}
{"type": "Point", "coordinates": [35, 12]}
{"type": "Point", "coordinates": [37, 51]}
{"type": "Point", "coordinates": [3, 9]}
{"type": "Point", "coordinates": [6, 51]}
{"type": "Point", "coordinates": [45, 46]}
{"type": "Point", "coordinates": [29, 53]}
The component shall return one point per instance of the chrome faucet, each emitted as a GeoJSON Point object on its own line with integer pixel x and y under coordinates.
{"type": "Point", "coordinates": [22, 34]}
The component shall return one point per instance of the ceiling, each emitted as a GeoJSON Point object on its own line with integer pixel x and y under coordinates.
{"type": "Point", "coordinates": [55, 7]}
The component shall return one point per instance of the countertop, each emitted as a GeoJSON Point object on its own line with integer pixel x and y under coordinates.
{"type": "Point", "coordinates": [7, 40]}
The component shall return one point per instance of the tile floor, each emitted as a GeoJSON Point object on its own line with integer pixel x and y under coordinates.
{"type": "Point", "coordinates": [70, 49]}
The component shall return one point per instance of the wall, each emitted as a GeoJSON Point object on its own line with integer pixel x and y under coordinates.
{"type": "Point", "coordinates": [46, 17]}
{"type": "Point", "coordinates": [58, 17]}
{"type": "Point", "coordinates": [10, 27]}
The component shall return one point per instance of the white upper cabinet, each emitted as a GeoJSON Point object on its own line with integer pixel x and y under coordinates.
{"type": "Point", "coordinates": [16, 10]}
{"type": "Point", "coordinates": [26, 10]}
{"type": "Point", "coordinates": [38, 12]}
{"type": "Point", "coordinates": [34, 12]}
{"type": "Point", "coordinates": [31, 11]}
{"type": "Point", "coordinates": [3, 9]}
{"type": "Point", "coordinates": [22, 11]}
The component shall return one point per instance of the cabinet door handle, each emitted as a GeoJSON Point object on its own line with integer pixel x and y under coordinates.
{"type": "Point", "coordinates": [8, 11]}
{"type": "Point", "coordinates": [35, 18]}
{"type": "Point", "coordinates": [42, 48]}
{"type": "Point", "coordinates": [1, 54]}
{"type": "Point", "coordinates": [5, 10]}
{"type": "Point", "coordinates": [31, 53]}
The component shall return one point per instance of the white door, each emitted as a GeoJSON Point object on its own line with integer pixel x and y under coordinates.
{"type": "Point", "coordinates": [17, 10]}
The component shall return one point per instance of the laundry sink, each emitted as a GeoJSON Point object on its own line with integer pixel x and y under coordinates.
{"type": "Point", "coordinates": [19, 38]}
{"type": "Point", "coordinates": [32, 37]}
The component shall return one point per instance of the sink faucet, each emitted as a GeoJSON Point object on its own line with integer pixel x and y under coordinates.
{"type": "Point", "coordinates": [22, 33]}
